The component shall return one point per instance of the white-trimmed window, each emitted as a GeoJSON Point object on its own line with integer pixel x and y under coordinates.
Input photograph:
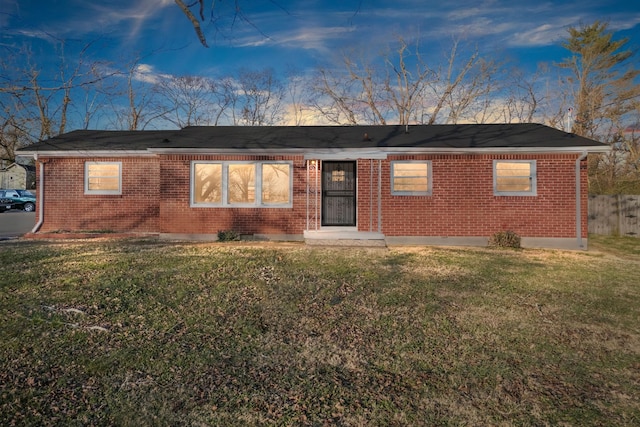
{"type": "Point", "coordinates": [514, 177]}
{"type": "Point", "coordinates": [411, 178]}
{"type": "Point", "coordinates": [267, 184]}
{"type": "Point", "coordinates": [103, 177]}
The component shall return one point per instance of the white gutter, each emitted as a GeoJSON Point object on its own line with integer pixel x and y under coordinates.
{"type": "Point", "coordinates": [579, 200]}
{"type": "Point", "coordinates": [89, 153]}
{"type": "Point", "coordinates": [346, 155]}
{"type": "Point", "coordinates": [336, 153]}
{"type": "Point", "coordinates": [40, 200]}
{"type": "Point", "coordinates": [372, 152]}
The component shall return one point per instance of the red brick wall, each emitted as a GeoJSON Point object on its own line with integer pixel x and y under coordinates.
{"type": "Point", "coordinates": [462, 202]}
{"type": "Point", "coordinates": [68, 208]}
{"type": "Point", "coordinates": [156, 195]}
{"type": "Point", "coordinates": [368, 172]}
{"type": "Point", "coordinates": [177, 216]}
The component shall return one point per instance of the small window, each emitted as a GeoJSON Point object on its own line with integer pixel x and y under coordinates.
{"type": "Point", "coordinates": [103, 178]}
{"type": "Point", "coordinates": [411, 178]}
{"type": "Point", "coordinates": [337, 176]}
{"type": "Point", "coordinates": [514, 177]}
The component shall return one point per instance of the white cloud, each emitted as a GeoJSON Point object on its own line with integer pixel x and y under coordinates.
{"type": "Point", "coordinates": [82, 18]}
{"type": "Point", "coordinates": [146, 73]}
{"type": "Point", "coordinates": [135, 14]}
{"type": "Point", "coordinates": [310, 38]}
{"type": "Point", "coordinates": [543, 35]}
{"type": "Point", "coordinates": [624, 22]}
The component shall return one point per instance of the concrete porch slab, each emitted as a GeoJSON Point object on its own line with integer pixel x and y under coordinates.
{"type": "Point", "coordinates": [333, 237]}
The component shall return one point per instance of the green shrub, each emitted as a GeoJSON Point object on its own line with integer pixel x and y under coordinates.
{"type": "Point", "coordinates": [505, 239]}
{"type": "Point", "coordinates": [228, 235]}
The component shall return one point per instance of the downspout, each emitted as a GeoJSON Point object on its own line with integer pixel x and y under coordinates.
{"type": "Point", "coordinates": [308, 190]}
{"type": "Point", "coordinates": [40, 198]}
{"type": "Point", "coordinates": [379, 196]}
{"type": "Point", "coordinates": [370, 194]}
{"type": "Point", "coordinates": [579, 200]}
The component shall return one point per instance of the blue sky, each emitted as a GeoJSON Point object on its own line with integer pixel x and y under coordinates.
{"type": "Point", "coordinates": [301, 34]}
{"type": "Point", "coordinates": [279, 33]}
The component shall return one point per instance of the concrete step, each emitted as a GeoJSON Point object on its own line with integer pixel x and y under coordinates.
{"type": "Point", "coordinates": [333, 237]}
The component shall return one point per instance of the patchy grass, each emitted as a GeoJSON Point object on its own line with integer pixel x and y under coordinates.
{"type": "Point", "coordinates": [156, 333]}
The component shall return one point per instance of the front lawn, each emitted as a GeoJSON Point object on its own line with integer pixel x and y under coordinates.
{"type": "Point", "coordinates": [136, 333]}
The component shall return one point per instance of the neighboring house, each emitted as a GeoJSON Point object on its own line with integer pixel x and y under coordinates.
{"type": "Point", "coordinates": [437, 184]}
{"type": "Point", "coordinates": [13, 176]}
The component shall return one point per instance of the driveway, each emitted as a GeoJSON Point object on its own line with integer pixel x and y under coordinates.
{"type": "Point", "coordinates": [15, 223]}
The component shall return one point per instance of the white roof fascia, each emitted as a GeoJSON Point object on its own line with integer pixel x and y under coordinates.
{"type": "Point", "coordinates": [381, 153]}
{"type": "Point", "coordinates": [88, 153]}
{"type": "Point", "coordinates": [327, 154]}
{"type": "Point", "coordinates": [234, 151]}
{"type": "Point", "coordinates": [498, 150]}
{"type": "Point", "coordinates": [345, 155]}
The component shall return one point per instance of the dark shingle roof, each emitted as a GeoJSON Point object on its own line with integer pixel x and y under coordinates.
{"type": "Point", "coordinates": [305, 138]}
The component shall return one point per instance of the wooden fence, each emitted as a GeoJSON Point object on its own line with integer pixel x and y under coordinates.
{"type": "Point", "coordinates": [614, 215]}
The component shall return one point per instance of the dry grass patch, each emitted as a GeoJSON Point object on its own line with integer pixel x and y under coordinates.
{"type": "Point", "coordinates": [153, 333]}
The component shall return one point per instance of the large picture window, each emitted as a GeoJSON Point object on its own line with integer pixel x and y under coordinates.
{"type": "Point", "coordinates": [241, 184]}
{"type": "Point", "coordinates": [514, 177]}
{"type": "Point", "coordinates": [410, 178]}
{"type": "Point", "coordinates": [103, 178]}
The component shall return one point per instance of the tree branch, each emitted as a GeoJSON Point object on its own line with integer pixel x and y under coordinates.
{"type": "Point", "coordinates": [194, 21]}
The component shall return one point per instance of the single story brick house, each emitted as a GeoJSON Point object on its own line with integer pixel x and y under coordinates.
{"type": "Point", "coordinates": [435, 184]}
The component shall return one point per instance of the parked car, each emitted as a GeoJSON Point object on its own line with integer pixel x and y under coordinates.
{"type": "Point", "coordinates": [5, 204]}
{"type": "Point", "coordinates": [20, 199]}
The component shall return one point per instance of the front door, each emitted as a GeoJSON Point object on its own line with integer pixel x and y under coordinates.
{"type": "Point", "coordinates": [338, 193]}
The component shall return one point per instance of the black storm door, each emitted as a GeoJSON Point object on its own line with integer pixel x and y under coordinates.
{"type": "Point", "coordinates": [339, 193]}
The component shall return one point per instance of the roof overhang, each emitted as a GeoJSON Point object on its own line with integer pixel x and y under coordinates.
{"type": "Point", "coordinates": [87, 153]}
{"type": "Point", "coordinates": [500, 150]}
{"type": "Point", "coordinates": [326, 154]}
{"type": "Point", "coordinates": [320, 154]}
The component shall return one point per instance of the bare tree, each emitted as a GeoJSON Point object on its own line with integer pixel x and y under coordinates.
{"type": "Point", "coordinates": [194, 21]}
{"type": "Point", "coordinates": [405, 88]}
{"type": "Point", "coordinates": [219, 14]}
{"type": "Point", "coordinates": [134, 99]}
{"type": "Point", "coordinates": [191, 100]}
{"type": "Point", "coordinates": [298, 94]}
{"type": "Point", "coordinates": [363, 91]}
{"type": "Point", "coordinates": [227, 98]}
{"type": "Point", "coordinates": [13, 135]}
{"type": "Point", "coordinates": [458, 88]}
{"type": "Point", "coordinates": [334, 98]}
{"type": "Point", "coordinates": [408, 86]}
{"type": "Point", "coordinates": [38, 103]}
{"type": "Point", "coordinates": [260, 98]}
{"type": "Point", "coordinates": [368, 81]}
{"type": "Point", "coordinates": [498, 94]}
{"type": "Point", "coordinates": [523, 99]}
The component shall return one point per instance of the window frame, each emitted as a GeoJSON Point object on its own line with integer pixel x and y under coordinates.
{"type": "Point", "coordinates": [258, 190]}
{"type": "Point", "coordinates": [429, 190]}
{"type": "Point", "coordinates": [89, 191]}
{"type": "Point", "coordinates": [533, 178]}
